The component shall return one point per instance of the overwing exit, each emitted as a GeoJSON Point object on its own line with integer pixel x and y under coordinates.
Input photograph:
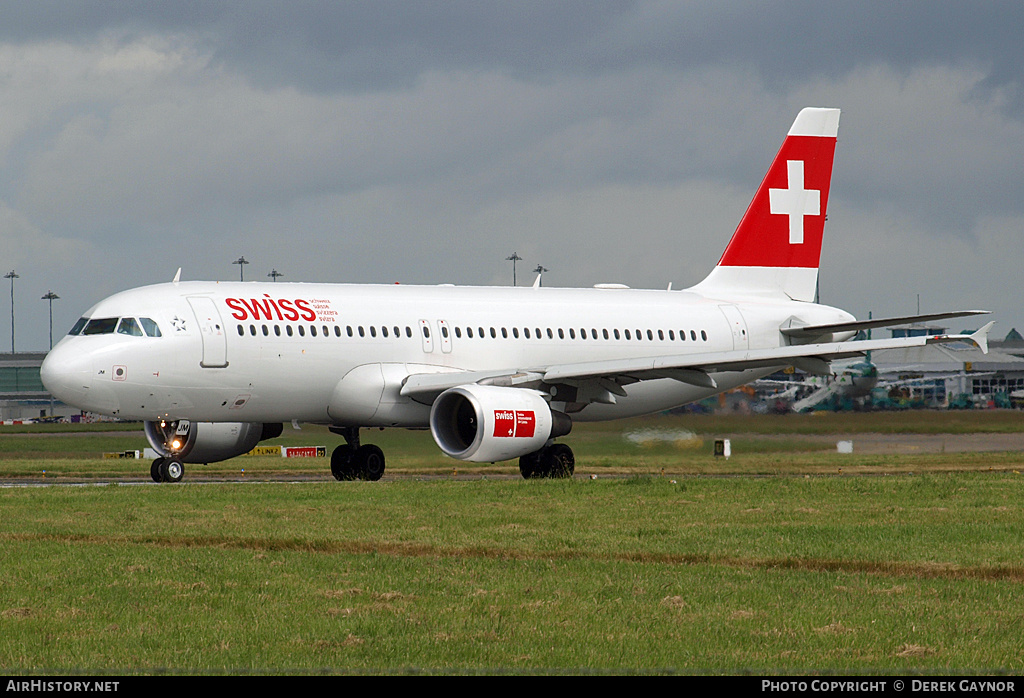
{"type": "Point", "coordinates": [494, 373]}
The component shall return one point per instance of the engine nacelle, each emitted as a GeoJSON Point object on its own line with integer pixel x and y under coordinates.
{"type": "Point", "coordinates": [484, 423]}
{"type": "Point", "coordinates": [207, 442]}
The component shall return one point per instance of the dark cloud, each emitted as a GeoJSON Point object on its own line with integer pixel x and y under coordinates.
{"type": "Point", "coordinates": [376, 44]}
{"type": "Point", "coordinates": [425, 141]}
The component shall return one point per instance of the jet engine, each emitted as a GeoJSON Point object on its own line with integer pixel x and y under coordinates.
{"type": "Point", "coordinates": [207, 442]}
{"type": "Point", "coordinates": [485, 424]}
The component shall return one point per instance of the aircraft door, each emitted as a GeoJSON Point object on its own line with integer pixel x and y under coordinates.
{"type": "Point", "coordinates": [737, 325]}
{"type": "Point", "coordinates": [211, 329]}
{"type": "Point", "coordinates": [428, 342]}
{"type": "Point", "coordinates": [446, 336]}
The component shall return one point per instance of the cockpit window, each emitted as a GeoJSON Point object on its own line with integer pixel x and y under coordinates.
{"type": "Point", "coordinates": [129, 326]}
{"type": "Point", "coordinates": [152, 329]}
{"type": "Point", "coordinates": [77, 329]}
{"type": "Point", "coordinates": [101, 326]}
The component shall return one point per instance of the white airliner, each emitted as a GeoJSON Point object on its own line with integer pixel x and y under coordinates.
{"type": "Point", "coordinates": [495, 373]}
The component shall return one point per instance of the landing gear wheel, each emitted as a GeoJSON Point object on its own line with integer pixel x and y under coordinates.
{"type": "Point", "coordinates": [558, 461]}
{"type": "Point", "coordinates": [154, 470]}
{"type": "Point", "coordinates": [342, 467]}
{"type": "Point", "coordinates": [171, 470]}
{"type": "Point", "coordinates": [355, 462]}
{"type": "Point", "coordinates": [370, 461]}
{"type": "Point", "coordinates": [529, 465]}
{"type": "Point", "coordinates": [554, 461]}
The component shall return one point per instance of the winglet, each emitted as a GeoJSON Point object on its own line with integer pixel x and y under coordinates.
{"type": "Point", "coordinates": [981, 337]}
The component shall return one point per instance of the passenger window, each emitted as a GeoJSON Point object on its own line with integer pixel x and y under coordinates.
{"type": "Point", "coordinates": [101, 326]}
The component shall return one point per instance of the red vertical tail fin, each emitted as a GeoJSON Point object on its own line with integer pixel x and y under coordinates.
{"type": "Point", "coordinates": [777, 245]}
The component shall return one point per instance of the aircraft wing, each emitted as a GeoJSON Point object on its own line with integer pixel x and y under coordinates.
{"type": "Point", "coordinates": [811, 331]}
{"type": "Point", "coordinates": [695, 369]}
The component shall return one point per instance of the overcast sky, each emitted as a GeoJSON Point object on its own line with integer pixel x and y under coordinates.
{"type": "Point", "coordinates": [425, 142]}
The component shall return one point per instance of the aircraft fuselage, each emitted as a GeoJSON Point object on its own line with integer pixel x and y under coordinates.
{"type": "Point", "coordinates": [338, 354]}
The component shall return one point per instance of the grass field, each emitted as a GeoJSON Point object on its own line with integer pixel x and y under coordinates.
{"type": "Point", "coordinates": [790, 565]}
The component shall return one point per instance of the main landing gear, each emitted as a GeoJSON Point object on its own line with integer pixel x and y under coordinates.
{"type": "Point", "coordinates": [355, 462]}
{"type": "Point", "coordinates": [553, 461]}
{"type": "Point", "coordinates": [167, 470]}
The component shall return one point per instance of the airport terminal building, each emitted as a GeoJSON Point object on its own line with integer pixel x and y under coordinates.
{"type": "Point", "coordinates": [22, 394]}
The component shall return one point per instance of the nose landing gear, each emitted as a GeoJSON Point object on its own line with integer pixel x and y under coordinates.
{"type": "Point", "coordinates": [167, 470]}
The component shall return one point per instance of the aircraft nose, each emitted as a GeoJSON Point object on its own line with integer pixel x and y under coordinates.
{"type": "Point", "coordinates": [66, 373]}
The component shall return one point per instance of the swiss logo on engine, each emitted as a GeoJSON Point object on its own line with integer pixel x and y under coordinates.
{"type": "Point", "coordinates": [514, 423]}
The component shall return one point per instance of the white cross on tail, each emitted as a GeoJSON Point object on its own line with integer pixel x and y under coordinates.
{"type": "Point", "coordinates": [795, 202]}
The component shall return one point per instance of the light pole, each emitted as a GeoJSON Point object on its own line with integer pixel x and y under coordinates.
{"type": "Point", "coordinates": [12, 276]}
{"type": "Point", "coordinates": [241, 262]}
{"type": "Point", "coordinates": [51, 296]}
{"type": "Point", "coordinates": [540, 271]}
{"type": "Point", "coordinates": [274, 273]}
{"type": "Point", "coordinates": [514, 258]}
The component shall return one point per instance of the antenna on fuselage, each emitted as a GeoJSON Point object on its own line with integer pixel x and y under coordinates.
{"type": "Point", "coordinates": [177, 277]}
